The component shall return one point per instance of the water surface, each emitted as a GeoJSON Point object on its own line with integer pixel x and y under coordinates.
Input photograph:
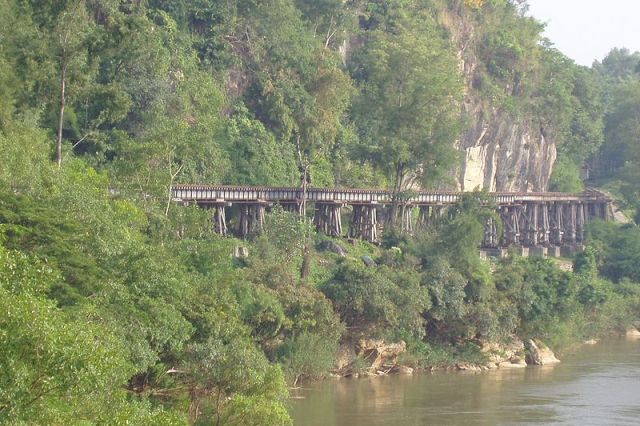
{"type": "Point", "coordinates": [598, 385]}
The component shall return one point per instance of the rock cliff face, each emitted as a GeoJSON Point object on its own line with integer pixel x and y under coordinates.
{"type": "Point", "coordinates": [500, 151]}
{"type": "Point", "coordinates": [504, 154]}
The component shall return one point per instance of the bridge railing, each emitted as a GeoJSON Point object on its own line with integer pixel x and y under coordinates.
{"type": "Point", "coordinates": [239, 194]}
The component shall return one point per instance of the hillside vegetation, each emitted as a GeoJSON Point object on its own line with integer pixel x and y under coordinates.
{"type": "Point", "coordinates": [120, 307]}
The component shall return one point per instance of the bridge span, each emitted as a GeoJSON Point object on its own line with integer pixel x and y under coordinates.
{"type": "Point", "coordinates": [529, 219]}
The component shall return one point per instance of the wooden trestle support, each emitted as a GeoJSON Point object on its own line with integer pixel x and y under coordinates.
{"type": "Point", "coordinates": [543, 224]}
{"type": "Point", "coordinates": [405, 217]}
{"type": "Point", "coordinates": [218, 216]}
{"type": "Point", "coordinates": [429, 215]}
{"type": "Point", "coordinates": [327, 218]}
{"type": "Point", "coordinates": [364, 222]}
{"type": "Point", "coordinates": [252, 217]}
{"type": "Point", "coordinates": [527, 220]}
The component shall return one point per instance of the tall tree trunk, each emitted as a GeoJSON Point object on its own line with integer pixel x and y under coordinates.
{"type": "Point", "coordinates": [63, 77]}
{"type": "Point", "coordinates": [303, 161]}
{"type": "Point", "coordinates": [305, 270]}
{"type": "Point", "coordinates": [397, 186]}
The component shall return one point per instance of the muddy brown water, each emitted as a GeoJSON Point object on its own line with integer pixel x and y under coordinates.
{"type": "Point", "coordinates": [597, 385]}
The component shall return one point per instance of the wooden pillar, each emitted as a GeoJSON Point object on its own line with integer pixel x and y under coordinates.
{"type": "Point", "coordinates": [438, 212]}
{"type": "Point", "coordinates": [608, 211]}
{"type": "Point", "coordinates": [490, 234]}
{"type": "Point", "coordinates": [243, 224]}
{"type": "Point", "coordinates": [364, 222]}
{"type": "Point", "coordinates": [511, 220]}
{"type": "Point", "coordinates": [557, 229]}
{"type": "Point", "coordinates": [291, 206]}
{"type": "Point", "coordinates": [252, 217]}
{"type": "Point", "coordinates": [529, 223]}
{"type": "Point", "coordinates": [534, 223]}
{"type": "Point", "coordinates": [371, 234]}
{"type": "Point", "coordinates": [354, 222]}
{"type": "Point", "coordinates": [319, 218]}
{"type": "Point", "coordinates": [335, 220]}
{"type": "Point", "coordinates": [580, 222]}
{"type": "Point", "coordinates": [219, 218]}
{"type": "Point", "coordinates": [600, 212]}
{"type": "Point", "coordinates": [424, 213]}
{"type": "Point", "coordinates": [406, 218]}
{"type": "Point", "coordinates": [327, 218]}
{"type": "Point", "coordinates": [589, 212]}
{"type": "Point", "coordinates": [569, 216]}
{"type": "Point", "coordinates": [543, 224]}
{"type": "Point", "coordinates": [429, 215]}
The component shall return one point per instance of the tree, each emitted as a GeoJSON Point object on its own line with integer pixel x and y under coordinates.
{"type": "Point", "coordinates": [56, 367]}
{"type": "Point", "coordinates": [407, 111]}
{"type": "Point", "coordinates": [256, 156]}
{"type": "Point", "coordinates": [378, 301]}
{"type": "Point", "coordinates": [619, 64]}
{"type": "Point", "coordinates": [622, 126]}
{"type": "Point", "coordinates": [70, 34]}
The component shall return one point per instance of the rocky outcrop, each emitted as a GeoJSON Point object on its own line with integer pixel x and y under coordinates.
{"type": "Point", "coordinates": [509, 355]}
{"type": "Point", "coordinates": [345, 358]}
{"type": "Point", "coordinates": [370, 357]}
{"type": "Point", "coordinates": [633, 333]}
{"type": "Point", "coordinates": [240, 252]}
{"type": "Point", "coordinates": [377, 353]}
{"type": "Point", "coordinates": [539, 354]}
{"type": "Point", "coordinates": [333, 247]}
{"type": "Point", "coordinates": [502, 153]}
{"type": "Point", "coordinates": [368, 261]}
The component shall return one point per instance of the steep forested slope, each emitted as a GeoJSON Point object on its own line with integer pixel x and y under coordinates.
{"type": "Point", "coordinates": [369, 93]}
{"type": "Point", "coordinates": [119, 306]}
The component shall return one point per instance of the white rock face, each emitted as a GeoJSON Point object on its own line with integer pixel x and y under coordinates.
{"type": "Point", "coordinates": [510, 355]}
{"type": "Point", "coordinates": [475, 168]}
{"type": "Point", "coordinates": [539, 354]}
{"type": "Point", "coordinates": [633, 333]}
{"type": "Point", "coordinates": [378, 352]}
{"type": "Point", "coordinates": [504, 153]}
{"type": "Point", "coordinates": [502, 150]}
{"type": "Point", "coordinates": [509, 364]}
{"type": "Point", "coordinates": [402, 369]}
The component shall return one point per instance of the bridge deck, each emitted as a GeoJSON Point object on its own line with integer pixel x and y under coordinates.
{"type": "Point", "coordinates": [249, 194]}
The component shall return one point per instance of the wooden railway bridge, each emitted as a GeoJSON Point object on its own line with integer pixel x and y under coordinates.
{"type": "Point", "coordinates": [529, 219]}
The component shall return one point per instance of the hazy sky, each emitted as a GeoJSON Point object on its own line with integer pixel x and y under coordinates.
{"type": "Point", "coordinates": [586, 30]}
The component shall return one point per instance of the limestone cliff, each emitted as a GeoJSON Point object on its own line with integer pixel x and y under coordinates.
{"type": "Point", "coordinates": [504, 154]}
{"type": "Point", "coordinates": [501, 151]}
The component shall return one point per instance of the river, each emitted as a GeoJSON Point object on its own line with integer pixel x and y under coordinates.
{"type": "Point", "coordinates": [597, 385]}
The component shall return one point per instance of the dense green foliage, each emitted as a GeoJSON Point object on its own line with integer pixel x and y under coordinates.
{"type": "Point", "coordinates": [119, 306]}
{"type": "Point", "coordinates": [617, 163]}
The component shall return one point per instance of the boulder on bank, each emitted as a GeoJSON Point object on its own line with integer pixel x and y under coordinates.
{"type": "Point", "coordinates": [468, 367]}
{"type": "Point", "coordinates": [402, 369]}
{"type": "Point", "coordinates": [370, 357]}
{"type": "Point", "coordinates": [539, 354]}
{"type": "Point", "coordinates": [376, 352]}
{"type": "Point", "coordinates": [333, 247]}
{"type": "Point", "coordinates": [345, 357]}
{"type": "Point", "coordinates": [515, 363]}
{"type": "Point", "coordinates": [505, 355]}
{"type": "Point", "coordinates": [368, 261]}
{"type": "Point", "coordinates": [240, 252]}
{"type": "Point", "coordinates": [633, 333]}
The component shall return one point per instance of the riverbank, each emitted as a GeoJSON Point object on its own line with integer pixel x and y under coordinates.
{"type": "Point", "coordinates": [576, 391]}
{"type": "Point", "coordinates": [372, 357]}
